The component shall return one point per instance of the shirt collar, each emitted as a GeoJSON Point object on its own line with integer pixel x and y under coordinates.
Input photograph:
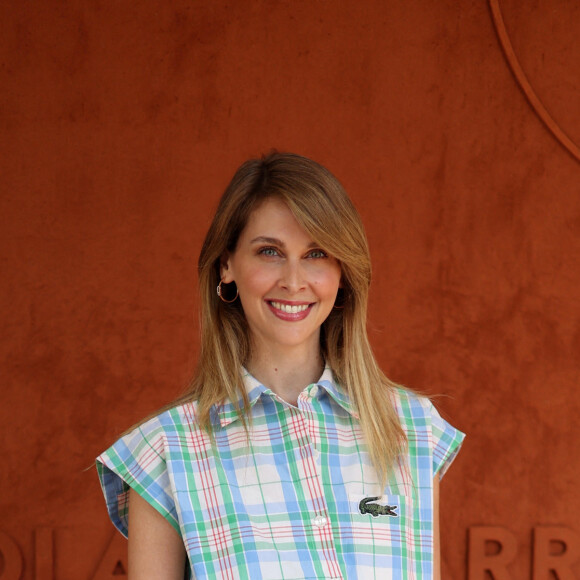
{"type": "Point", "coordinates": [225, 413]}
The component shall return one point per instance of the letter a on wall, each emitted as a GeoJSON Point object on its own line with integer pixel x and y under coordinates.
{"type": "Point", "coordinates": [113, 564]}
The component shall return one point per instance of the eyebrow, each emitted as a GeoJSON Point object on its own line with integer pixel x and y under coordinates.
{"type": "Point", "coordinates": [276, 242]}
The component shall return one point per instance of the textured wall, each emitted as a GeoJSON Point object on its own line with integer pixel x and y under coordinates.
{"type": "Point", "coordinates": [120, 125]}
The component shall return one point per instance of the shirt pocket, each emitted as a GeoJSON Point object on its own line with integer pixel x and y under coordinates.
{"type": "Point", "coordinates": [381, 529]}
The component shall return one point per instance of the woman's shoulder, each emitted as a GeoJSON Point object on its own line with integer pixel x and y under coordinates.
{"type": "Point", "coordinates": [407, 398]}
{"type": "Point", "coordinates": [166, 426]}
{"type": "Point", "coordinates": [173, 418]}
{"type": "Point", "coordinates": [414, 409]}
{"type": "Point", "coordinates": [425, 426]}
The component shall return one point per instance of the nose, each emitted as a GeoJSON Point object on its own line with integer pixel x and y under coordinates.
{"type": "Point", "coordinates": [292, 276]}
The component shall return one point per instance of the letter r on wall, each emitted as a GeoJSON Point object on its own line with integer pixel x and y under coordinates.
{"type": "Point", "coordinates": [481, 559]}
{"type": "Point", "coordinates": [545, 561]}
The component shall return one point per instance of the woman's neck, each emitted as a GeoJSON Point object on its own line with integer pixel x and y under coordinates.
{"type": "Point", "coordinates": [287, 375]}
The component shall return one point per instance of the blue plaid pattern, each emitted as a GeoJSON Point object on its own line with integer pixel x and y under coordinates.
{"type": "Point", "coordinates": [288, 505]}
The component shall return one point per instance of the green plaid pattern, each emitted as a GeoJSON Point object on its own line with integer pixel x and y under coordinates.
{"type": "Point", "coordinates": [288, 504]}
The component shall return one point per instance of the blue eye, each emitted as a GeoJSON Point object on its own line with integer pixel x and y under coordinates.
{"type": "Point", "coordinates": [268, 251]}
{"type": "Point", "coordinates": [317, 254]}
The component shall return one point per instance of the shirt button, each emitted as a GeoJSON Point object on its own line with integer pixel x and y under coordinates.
{"type": "Point", "coordinates": [316, 455]}
{"type": "Point", "coordinates": [314, 391]}
{"type": "Point", "coordinates": [320, 521]}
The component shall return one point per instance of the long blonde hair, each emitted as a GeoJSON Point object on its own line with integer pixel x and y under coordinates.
{"type": "Point", "coordinates": [322, 207]}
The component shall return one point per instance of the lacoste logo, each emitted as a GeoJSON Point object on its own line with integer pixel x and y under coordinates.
{"type": "Point", "coordinates": [375, 509]}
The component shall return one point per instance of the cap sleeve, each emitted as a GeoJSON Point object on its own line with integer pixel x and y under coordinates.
{"type": "Point", "coordinates": [446, 440]}
{"type": "Point", "coordinates": [137, 461]}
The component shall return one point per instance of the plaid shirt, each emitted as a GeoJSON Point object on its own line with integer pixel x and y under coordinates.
{"type": "Point", "coordinates": [289, 505]}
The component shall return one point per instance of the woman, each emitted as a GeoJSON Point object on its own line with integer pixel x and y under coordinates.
{"type": "Point", "coordinates": [292, 456]}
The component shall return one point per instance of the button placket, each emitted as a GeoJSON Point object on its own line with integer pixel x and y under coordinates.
{"type": "Point", "coordinates": [306, 432]}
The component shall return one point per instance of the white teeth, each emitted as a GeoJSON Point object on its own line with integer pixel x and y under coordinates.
{"type": "Point", "coordinates": [288, 308]}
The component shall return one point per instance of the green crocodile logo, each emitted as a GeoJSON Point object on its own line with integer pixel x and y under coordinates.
{"type": "Point", "coordinates": [375, 509]}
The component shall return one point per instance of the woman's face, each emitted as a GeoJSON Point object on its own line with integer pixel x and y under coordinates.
{"type": "Point", "coordinates": [286, 282]}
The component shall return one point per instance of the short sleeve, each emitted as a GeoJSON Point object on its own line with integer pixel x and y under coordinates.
{"type": "Point", "coordinates": [137, 461]}
{"type": "Point", "coordinates": [447, 441]}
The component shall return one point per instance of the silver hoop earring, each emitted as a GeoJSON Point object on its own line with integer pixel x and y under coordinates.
{"type": "Point", "coordinates": [219, 290]}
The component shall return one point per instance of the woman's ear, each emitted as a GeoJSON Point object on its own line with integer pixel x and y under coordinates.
{"type": "Point", "coordinates": [226, 272]}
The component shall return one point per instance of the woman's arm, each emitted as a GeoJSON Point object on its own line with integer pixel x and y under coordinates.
{"type": "Point", "coordinates": [436, 543]}
{"type": "Point", "coordinates": [156, 551]}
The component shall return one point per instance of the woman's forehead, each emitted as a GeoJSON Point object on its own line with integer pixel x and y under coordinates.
{"type": "Point", "coordinates": [273, 221]}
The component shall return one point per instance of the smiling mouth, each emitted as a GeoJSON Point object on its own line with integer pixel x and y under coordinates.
{"type": "Point", "coordinates": [290, 308]}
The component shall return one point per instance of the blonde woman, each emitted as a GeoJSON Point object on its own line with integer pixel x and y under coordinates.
{"type": "Point", "coordinates": [292, 456]}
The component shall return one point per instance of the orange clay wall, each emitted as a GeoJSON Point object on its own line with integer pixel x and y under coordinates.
{"type": "Point", "coordinates": [455, 128]}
